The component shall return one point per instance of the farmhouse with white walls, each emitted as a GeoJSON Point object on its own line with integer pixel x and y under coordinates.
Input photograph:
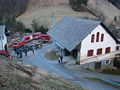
{"type": "Point", "coordinates": [3, 37]}
{"type": "Point", "coordinates": [88, 41]}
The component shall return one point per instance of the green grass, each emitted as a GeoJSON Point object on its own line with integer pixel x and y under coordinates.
{"type": "Point", "coordinates": [111, 71]}
{"type": "Point", "coordinates": [51, 55]}
{"type": "Point", "coordinates": [88, 69]}
{"type": "Point", "coordinates": [100, 81]}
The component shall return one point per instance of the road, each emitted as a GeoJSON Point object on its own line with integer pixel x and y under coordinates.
{"type": "Point", "coordinates": [74, 74]}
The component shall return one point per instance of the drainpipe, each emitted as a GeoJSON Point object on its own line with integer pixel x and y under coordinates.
{"type": "Point", "coordinates": [1, 42]}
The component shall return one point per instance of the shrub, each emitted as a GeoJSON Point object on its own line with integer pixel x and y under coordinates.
{"type": "Point", "coordinates": [27, 30]}
{"type": "Point", "coordinates": [77, 4]}
{"type": "Point", "coordinates": [42, 29]}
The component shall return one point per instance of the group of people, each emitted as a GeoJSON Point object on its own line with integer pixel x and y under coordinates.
{"type": "Point", "coordinates": [60, 58]}
{"type": "Point", "coordinates": [24, 49]}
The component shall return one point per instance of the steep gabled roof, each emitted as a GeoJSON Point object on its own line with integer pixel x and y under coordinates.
{"type": "Point", "coordinates": [69, 32]}
{"type": "Point", "coordinates": [2, 30]}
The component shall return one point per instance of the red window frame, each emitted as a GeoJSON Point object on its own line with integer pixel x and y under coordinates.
{"type": "Point", "coordinates": [102, 37]}
{"type": "Point", "coordinates": [107, 50]}
{"type": "Point", "coordinates": [97, 37]}
{"type": "Point", "coordinates": [92, 38]}
{"type": "Point", "coordinates": [99, 51]}
{"type": "Point", "coordinates": [90, 53]}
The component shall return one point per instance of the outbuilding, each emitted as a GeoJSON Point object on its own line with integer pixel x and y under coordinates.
{"type": "Point", "coordinates": [3, 37]}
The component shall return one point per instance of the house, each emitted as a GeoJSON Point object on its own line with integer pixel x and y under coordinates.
{"type": "Point", "coordinates": [3, 37]}
{"type": "Point", "coordinates": [86, 40]}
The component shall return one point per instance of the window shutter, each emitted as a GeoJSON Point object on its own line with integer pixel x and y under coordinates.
{"type": "Point", "coordinates": [97, 38]}
{"type": "Point", "coordinates": [99, 51]}
{"type": "Point", "coordinates": [90, 53]}
{"type": "Point", "coordinates": [107, 50]}
{"type": "Point", "coordinates": [102, 37]}
{"type": "Point", "coordinates": [92, 38]}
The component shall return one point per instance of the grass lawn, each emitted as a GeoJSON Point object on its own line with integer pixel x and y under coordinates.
{"type": "Point", "coordinates": [51, 55]}
{"type": "Point", "coordinates": [111, 71]}
{"type": "Point", "coordinates": [100, 81]}
{"type": "Point", "coordinates": [14, 76]}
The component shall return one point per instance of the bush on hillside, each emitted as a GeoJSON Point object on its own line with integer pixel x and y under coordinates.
{"type": "Point", "coordinates": [27, 30]}
{"type": "Point", "coordinates": [42, 29]}
{"type": "Point", "coordinates": [38, 28]}
{"type": "Point", "coordinates": [13, 25]}
{"type": "Point", "coordinates": [78, 4]}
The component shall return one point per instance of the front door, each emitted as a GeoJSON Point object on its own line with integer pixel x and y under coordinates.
{"type": "Point", "coordinates": [74, 54]}
{"type": "Point", "coordinates": [97, 65]}
{"type": "Point", "coordinates": [67, 53]}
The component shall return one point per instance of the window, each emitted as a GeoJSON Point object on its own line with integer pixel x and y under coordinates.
{"type": "Point", "coordinates": [102, 37]}
{"type": "Point", "coordinates": [92, 38]}
{"type": "Point", "coordinates": [97, 38]}
{"type": "Point", "coordinates": [99, 51]}
{"type": "Point", "coordinates": [107, 50]}
{"type": "Point", "coordinates": [90, 53]}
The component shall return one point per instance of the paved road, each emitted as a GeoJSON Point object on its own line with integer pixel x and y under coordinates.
{"type": "Point", "coordinates": [74, 74]}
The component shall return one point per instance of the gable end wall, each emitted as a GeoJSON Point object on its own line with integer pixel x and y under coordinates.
{"type": "Point", "coordinates": [87, 45]}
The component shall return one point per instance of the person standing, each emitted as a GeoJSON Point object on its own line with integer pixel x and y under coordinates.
{"type": "Point", "coordinates": [26, 53]}
{"type": "Point", "coordinates": [25, 50]}
{"type": "Point", "coordinates": [33, 49]}
{"type": "Point", "coordinates": [20, 54]}
{"type": "Point", "coordinates": [17, 53]}
{"type": "Point", "coordinates": [59, 60]}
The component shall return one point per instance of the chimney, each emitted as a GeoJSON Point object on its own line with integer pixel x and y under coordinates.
{"type": "Point", "coordinates": [52, 19]}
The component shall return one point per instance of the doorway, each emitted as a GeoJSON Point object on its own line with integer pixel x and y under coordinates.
{"type": "Point", "coordinates": [75, 54]}
{"type": "Point", "coordinates": [97, 65]}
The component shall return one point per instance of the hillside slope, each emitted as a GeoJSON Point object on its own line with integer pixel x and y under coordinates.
{"type": "Point", "coordinates": [16, 75]}
{"type": "Point", "coordinates": [12, 7]}
{"type": "Point", "coordinates": [106, 8]}
{"type": "Point", "coordinates": [42, 10]}
{"type": "Point", "coordinates": [41, 3]}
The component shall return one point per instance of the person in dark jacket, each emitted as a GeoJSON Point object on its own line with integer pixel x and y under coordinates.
{"type": "Point", "coordinates": [17, 53]}
{"type": "Point", "coordinates": [33, 49]}
{"type": "Point", "coordinates": [26, 53]}
{"type": "Point", "coordinates": [61, 58]}
{"type": "Point", "coordinates": [20, 54]}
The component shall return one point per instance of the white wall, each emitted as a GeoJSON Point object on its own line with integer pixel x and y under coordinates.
{"type": "Point", "coordinates": [3, 42]}
{"type": "Point", "coordinates": [87, 45]}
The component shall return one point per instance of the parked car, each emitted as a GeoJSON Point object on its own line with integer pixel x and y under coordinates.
{"type": "Point", "coordinates": [19, 43]}
{"type": "Point", "coordinates": [36, 35]}
{"type": "Point", "coordinates": [28, 38]}
{"type": "Point", "coordinates": [44, 37]}
{"type": "Point", "coordinates": [3, 52]}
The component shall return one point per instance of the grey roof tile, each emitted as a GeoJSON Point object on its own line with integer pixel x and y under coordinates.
{"type": "Point", "coordinates": [69, 32]}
